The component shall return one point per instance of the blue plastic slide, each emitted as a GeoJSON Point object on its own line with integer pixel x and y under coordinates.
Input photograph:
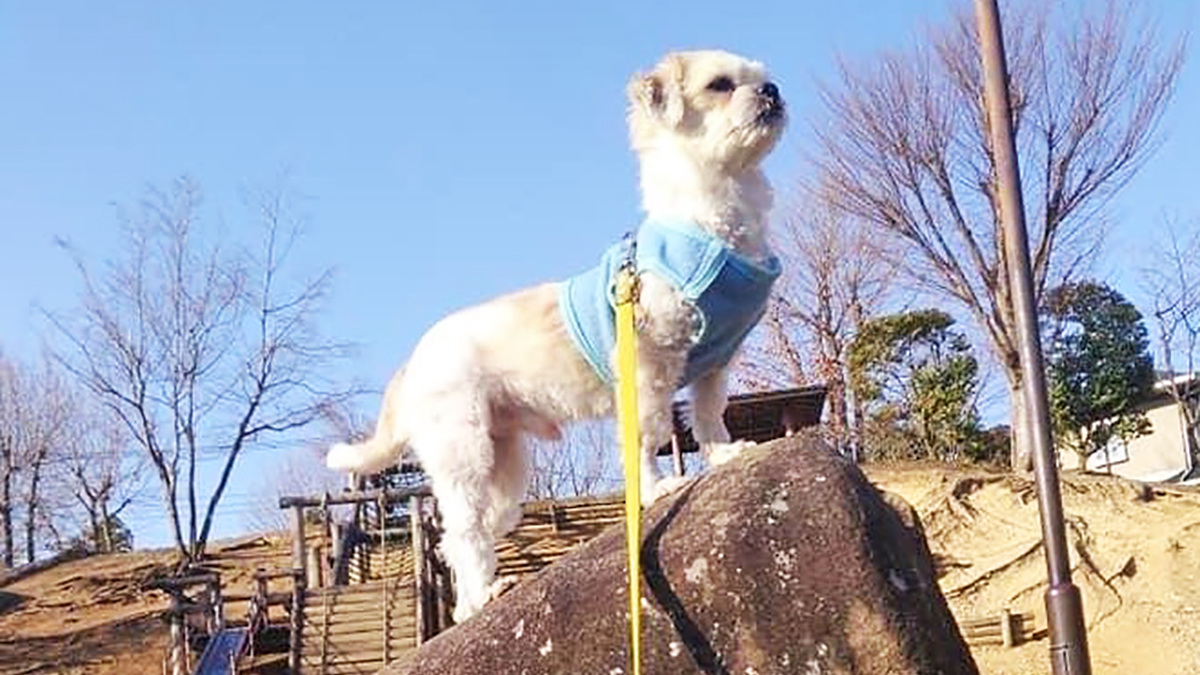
{"type": "Point", "coordinates": [218, 654]}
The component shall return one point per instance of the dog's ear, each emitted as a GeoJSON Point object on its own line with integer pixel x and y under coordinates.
{"type": "Point", "coordinates": [659, 94]}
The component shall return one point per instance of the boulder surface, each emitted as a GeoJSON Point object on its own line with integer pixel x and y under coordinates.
{"type": "Point", "coordinates": [784, 560]}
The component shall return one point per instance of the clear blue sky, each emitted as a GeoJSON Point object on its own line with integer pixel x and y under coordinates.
{"type": "Point", "coordinates": [488, 136]}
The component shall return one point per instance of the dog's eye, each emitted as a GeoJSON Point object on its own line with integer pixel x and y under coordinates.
{"type": "Point", "coordinates": [721, 84]}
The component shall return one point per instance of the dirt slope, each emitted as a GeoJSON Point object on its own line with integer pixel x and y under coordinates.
{"type": "Point", "coordinates": [1136, 553]}
{"type": "Point", "coordinates": [92, 617]}
{"type": "Point", "coordinates": [1135, 556]}
{"type": "Point", "coordinates": [84, 616]}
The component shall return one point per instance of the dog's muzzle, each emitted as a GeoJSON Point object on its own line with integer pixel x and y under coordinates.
{"type": "Point", "coordinates": [773, 107]}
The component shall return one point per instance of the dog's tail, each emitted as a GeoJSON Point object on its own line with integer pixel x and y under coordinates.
{"type": "Point", "coordinates": [378, 452]}
{"type": "Point", "coordinates": [368, 457]}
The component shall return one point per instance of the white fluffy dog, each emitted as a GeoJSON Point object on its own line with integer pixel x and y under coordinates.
{"type": "Point", "coordinates": [484, 378]}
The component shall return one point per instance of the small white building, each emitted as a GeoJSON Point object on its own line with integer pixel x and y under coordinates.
{"type": "Point", "coordinates": [1159, 456]}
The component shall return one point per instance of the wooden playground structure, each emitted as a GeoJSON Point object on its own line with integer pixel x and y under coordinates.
{"type": "Point", "coordinates": [366, 584]}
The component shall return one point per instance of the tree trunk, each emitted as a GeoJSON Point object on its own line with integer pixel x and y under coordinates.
{"type": "Point", "coordinates": [105, 531]}
{"type": "Point", "coordinates": [32, 508]}
{"type": "Point", "coordinates": [855, 402]}
{"type": "Point", "coordinates": [6, 519]}
{"type": "Point", "coordinates": [838, 421]}
{"type": "Point", "coordinates": [173, 511]}
{"type": "Point", "coordinates": [1021, 451]}
{"type": "Point", "coordinates": [91, 540]}
{"type": "Point", "coordinates": [193, 541]}
{"type": "Point", "coordinates": [215, 499]}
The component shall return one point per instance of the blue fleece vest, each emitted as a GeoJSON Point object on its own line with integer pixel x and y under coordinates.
{"type": "Point", "coordinates": [728, 290]}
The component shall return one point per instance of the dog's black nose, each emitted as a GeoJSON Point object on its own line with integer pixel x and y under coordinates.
{"type": "Point", "coordinates": [769, 90]}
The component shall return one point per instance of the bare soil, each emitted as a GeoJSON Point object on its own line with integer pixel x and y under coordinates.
{"type": "Point", "coordinates": [94, 616]}
{"type": "Point", "coordinates": [1135, 554]}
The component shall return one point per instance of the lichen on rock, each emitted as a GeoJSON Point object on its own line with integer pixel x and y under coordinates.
{"type": "Point", "coordinates": [785, 560]}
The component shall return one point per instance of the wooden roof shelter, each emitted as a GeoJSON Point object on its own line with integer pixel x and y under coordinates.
{"type": "Point", "coordinates": [758, 417]}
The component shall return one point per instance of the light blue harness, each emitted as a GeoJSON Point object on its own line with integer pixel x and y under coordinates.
{"type": "Point", "coordinates": [728, 291]}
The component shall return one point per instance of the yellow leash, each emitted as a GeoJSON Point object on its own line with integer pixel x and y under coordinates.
{"type": "Point", "coordinates": [627, 418]}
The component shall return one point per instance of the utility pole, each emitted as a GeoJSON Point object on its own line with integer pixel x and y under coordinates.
{"type": "Point", "coordinates": [1064, 605]}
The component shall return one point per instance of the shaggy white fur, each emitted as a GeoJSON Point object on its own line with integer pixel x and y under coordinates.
{"type": "Point", "coordinates": [483, 379]}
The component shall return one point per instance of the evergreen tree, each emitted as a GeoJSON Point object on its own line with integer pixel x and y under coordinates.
{"type": "Point", "coordinates": [1098, 366]}
{"type": "Point", "coordinates": [918, 379]}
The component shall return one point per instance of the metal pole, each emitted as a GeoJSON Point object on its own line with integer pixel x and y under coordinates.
{"type": "Point", "coordinates": [1064, 605]}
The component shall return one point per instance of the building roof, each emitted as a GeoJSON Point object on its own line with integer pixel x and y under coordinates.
{"type": "Point", "coordinates": [760, 416]}
{"type": "Point", "coordinates": [1185, 381]}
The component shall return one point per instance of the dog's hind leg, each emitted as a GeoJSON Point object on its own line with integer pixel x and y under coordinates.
{"type": "Point", "coordinates": [458, 455]}
{"type": "Point", "coordinates": [467, 542]}
{"type": "Point", "coordinates": [510, 478]}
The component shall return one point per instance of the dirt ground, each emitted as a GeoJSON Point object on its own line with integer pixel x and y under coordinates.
{"type": "Point", "coordinates": [85, 616]}
{"type": "Point", "coordinates": [93, 617]}
{"type": "Point", "coordinates": [1135, 550]}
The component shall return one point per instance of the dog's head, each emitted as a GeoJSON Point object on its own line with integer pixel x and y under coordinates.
{"type": "Point", "coordinates": [716, 108]}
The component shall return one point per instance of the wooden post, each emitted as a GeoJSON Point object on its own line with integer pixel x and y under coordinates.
{"type": "Point", "coordinates": [336, 565]}
{"type": "Point", "coordinates": [298, 579]}
{"type": "Point", "coordinates": [788, 421]}
{"type": "Point", "coordinates": [418, 552]}
{"type": "Point", "coordinates": [178, 654]}
{"type": "Point", "coordinates": [259, 615]}
{"type": "Point", "coordinates": [314, 568]}
{"type": "Point", "coordinates": [216, 606]}
{"type": "Point", "coordinates": [677, 454]}
{"type": "Point", "coordinates": [325, 574]}
{"type": "Point", "coordinates": [1006, 628]}
{"type": "Point", "coordinates": [261, 608]}
{"type": "Point", "coordinates": [383, 564]}
{"type": "Point", "coordinates": [299, 558]}
{"type": "Point", "coordinates": [444, 584]}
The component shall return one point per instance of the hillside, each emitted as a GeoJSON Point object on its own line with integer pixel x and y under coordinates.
{"type": "Point", "coordinates": [1136, 551]}
{"type": "Point", "coordinates": [91, 616]}
{"type": "Point", "coordinates": [1135, 556]}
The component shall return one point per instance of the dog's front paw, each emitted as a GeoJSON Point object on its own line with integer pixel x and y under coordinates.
{"type": "Point", "coordinates": [662, 488]}
{"type": "Point", "coordinates": [464, 610]}
{"type": "Point", "coordinates": [720, 453]}
{"type": "Point", "coordinates": [501, 586]}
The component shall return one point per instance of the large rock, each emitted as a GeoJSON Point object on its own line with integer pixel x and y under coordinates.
{"type": "Point", "coordinates": [785, 560]}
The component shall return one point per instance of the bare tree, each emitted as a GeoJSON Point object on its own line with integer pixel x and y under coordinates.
{"type": "Point", "coordinates": [1173, 282]}
{"type": "Point", "coordinates": [34, 411]}
{"type": "Point", "coordinates": [103, 473]}
{"type": "Point", "coordinates": [904, 144]}
{"type": "Point", "coordinates": [584, 462]}
{"type": "Point", "coordinates": [199, 350]}
{"type": "Point", "coordinates": [10, 397]}
{"type": "Point", "coordinates": [45, 415]}
{"type": "Point", "coordinates": [836, 275]}
{"type": "Point", "coordinates": [302, 470]}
